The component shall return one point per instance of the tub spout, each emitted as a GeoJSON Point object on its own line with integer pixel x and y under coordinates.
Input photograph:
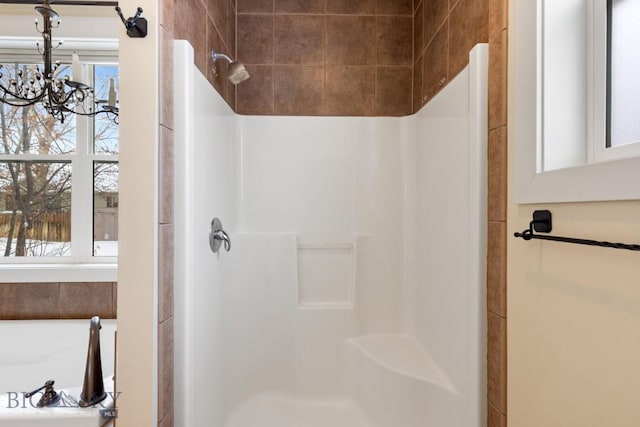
{"type": "Point", "coordinates": [93, 386]}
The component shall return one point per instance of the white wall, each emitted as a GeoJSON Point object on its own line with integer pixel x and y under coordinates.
{"type": "Point", "coordinates": [573, 336]}
{"type": "Point", "coordinates": [137, 262]}
{"type": "Point", "coordinates": [574, 319]}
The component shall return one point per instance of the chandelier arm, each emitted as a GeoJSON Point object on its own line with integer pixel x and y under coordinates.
{"type": "Point", "coordinates": [49, 90]}
{"type": "Point", "coordinates": [25, 102]}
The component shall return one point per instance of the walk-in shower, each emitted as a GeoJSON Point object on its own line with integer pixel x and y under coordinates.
{"type": "Point", "coordinates": [353, 293]}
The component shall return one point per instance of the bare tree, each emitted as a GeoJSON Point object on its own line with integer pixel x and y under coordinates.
{"type": "Point", "coordinates": [33, 189]}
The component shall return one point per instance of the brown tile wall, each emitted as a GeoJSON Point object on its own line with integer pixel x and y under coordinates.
{"type": "Point", "coordinates": [325, 57]}
{"type": "Point", "coordinates": [497, 213]}
{"type": "Point", "coordinates": [336, 57]}
{"type": "Point", "coordinates": [57, 300]}
{"type": "Point", "coordinates": [177, 21]}
{"type": "Point", "coordinates": [444, 31]}
{"type": "Point", "coordinates": [206, 24]}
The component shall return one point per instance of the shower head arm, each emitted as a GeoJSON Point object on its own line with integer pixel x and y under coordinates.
{"type": "Point", "coordinates": [215, 56]}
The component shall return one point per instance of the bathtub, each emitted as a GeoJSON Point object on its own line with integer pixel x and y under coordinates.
{"type": "Point", "coordinates": [35, 351]}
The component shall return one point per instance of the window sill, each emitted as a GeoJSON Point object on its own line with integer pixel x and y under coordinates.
{"type": "Point", "coordinates": [35, 273]}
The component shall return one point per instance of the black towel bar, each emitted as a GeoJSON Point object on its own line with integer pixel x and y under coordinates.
{"type": "Point", "coordinates": [542, 223]}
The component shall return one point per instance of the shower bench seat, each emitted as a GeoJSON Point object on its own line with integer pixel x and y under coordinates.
{"type": "Point", "coordinates": [397, 383]}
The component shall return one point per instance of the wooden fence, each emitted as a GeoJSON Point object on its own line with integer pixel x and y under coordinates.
{"type": "Point", "coordinates": [50, 227]}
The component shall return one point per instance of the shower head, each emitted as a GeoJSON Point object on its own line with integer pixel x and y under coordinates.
{"type": "Point", "coordinates": [237, 73]}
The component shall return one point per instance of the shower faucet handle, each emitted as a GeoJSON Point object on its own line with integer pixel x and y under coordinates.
{"type": "Point", "coordinates": [217, 236]}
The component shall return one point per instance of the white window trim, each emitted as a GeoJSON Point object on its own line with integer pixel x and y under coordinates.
{"type": "Point", "coordinates": [34, 273]}
{"type": "Point", "coordinates": [91, 50]}
{"type": "Point", "coordinates": [603, 181]}
{"type": "Point", "coordinates": [73, 268]}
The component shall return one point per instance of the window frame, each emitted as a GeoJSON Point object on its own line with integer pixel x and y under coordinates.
{"type": "Point", "coordinates": [611, 179]}
{"type": "Point", "coordinates": [81, 265]}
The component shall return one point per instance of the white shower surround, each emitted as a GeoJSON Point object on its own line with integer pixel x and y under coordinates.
{"type": "Point", "coordinates": [354, 291]}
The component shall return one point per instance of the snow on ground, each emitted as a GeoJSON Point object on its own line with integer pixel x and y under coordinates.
{"type": "Point", "coordinates": [38, 248]}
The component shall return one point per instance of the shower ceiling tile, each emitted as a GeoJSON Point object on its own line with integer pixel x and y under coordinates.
{"type": "Point", "coordinates": [394, 42]}
{"type": "Point", "coordinates": [350, 90]}
{"type": "Point", "coordinates": [349, 40]}
{"type": "Point", "coordinates": [300, 39]}
{"type": "Point", "coordinates": [255, 39]}
{"type": "Point", "coordinates": [299, 90]}
{"type": "Point", "coordinates": [360, 7]}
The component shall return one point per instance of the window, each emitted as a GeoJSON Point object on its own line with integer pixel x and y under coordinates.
{"type": "Point", "coordinates": [59, 181]}
{"type": "Point", "coordinates": [567, 92]}
{"type": "Point", "coordinates": [623, 69]}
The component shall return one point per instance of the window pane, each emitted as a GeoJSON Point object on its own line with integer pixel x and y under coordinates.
{"type": "Point", "coordinates": [105, 129]}
{"type": "Point", "coordinates": [105, 209]}
{"type": "Point", "coordinates": [624, 78]}
{"type": "Point", "coordinates": [30, 129]}
{"type": "Point", "coordinates": [35, 209]}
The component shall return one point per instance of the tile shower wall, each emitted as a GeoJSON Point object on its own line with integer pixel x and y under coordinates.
{"type": "Point", "coordinates": [444, 31]}
{"type": "Point", "coordinates": [176, 21]}
{"type": "Point", "coordinates": [325, 57]}
{"type": "Point", "coordinates": [206, 24]}
{"type": "Point", "coordinates": [497, 214]}
{"type": "Point", "coordinates": [336, 57]}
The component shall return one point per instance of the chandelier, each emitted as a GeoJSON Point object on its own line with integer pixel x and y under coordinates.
{"type": "Point", "coordinates": [59, 95]}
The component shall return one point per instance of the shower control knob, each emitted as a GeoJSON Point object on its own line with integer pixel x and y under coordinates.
{"type": "Point", "coordinates": [218, 237]}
